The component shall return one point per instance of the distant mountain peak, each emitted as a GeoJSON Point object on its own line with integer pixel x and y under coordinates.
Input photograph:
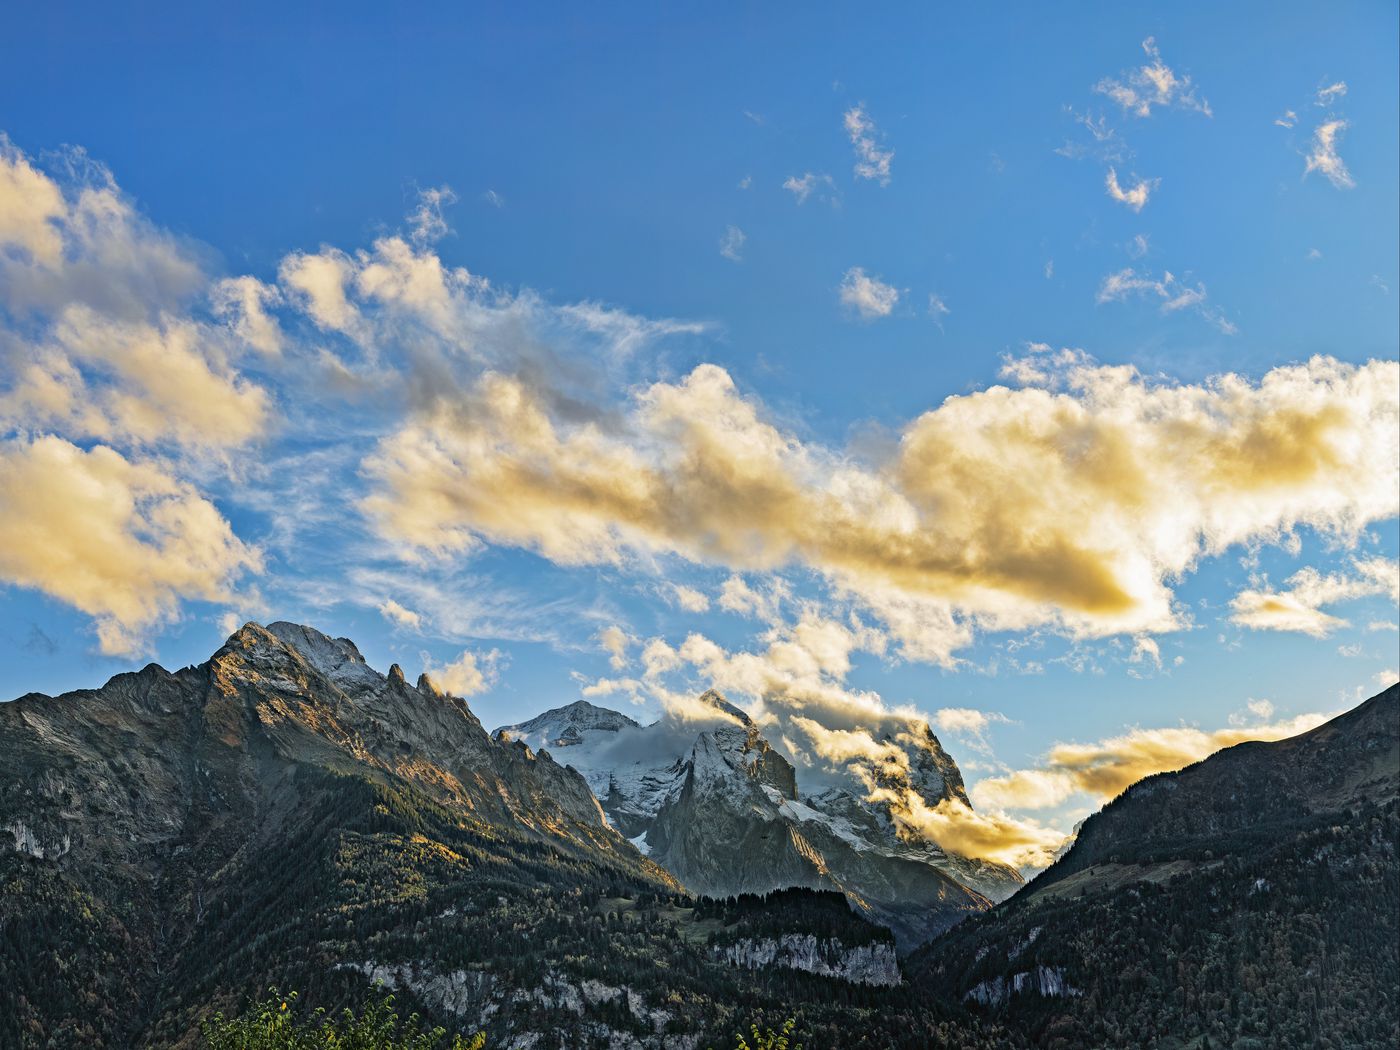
{"type": "Point", "coordinates": [567, 726]}
{"type": "Point", "coordinates": [717, 700]}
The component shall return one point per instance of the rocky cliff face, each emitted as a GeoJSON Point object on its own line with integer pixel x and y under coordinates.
{"type": "Point", "coordinates": [873, 964]}
{"type": "Point", "coordinates": [720, 808]}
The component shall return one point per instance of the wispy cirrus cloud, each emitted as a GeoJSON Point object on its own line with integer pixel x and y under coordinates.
{"type": "Point", "coordinates": [808, 185]}
{"type": "Point", "coordinates": [1323, 156]}
{"type": "Point", "coordinates": [731, 245]}
{"type": "Point", "coordinates": [873, 161]}
{"type": "Point", "coordinates": [1153, 85]}
{"type": "Point", "coordinates": [1134, 196]}
{"type": "Point", "coordinates": [1173, 294]}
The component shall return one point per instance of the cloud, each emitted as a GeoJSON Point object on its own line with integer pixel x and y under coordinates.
{"type": "Point", "coordinates": [1384, 679]}
{"type": "Point", "coordinates": [1152, 85]}
{"type": "Point", "coordinates": [805, 186]}
{"type": "Point", "coordinates": [494, 199]}
{"type": "Point", "coordinates": [1175, 295]}
{"type": "Point", "coordinates": [872, 162]}
{"type": "Point", "coordinates": [731, 245]}
{"type": "Point", "coordinates": [956, 827]}
{"type": "Point", "coordinates": [1071, 503]}
{"type": "Point", "coordinates": [689, 599]}
{"type": "Point", "coordinates": [100, 341]}
{"type": "Point", "coordinates": [1104, 769]}
{"type": "Point", "coordinates": [120, 540]}
{"type": "Point", "coordinates": [119, 373]}
{"type": "Point", "coordinates": [132, 381]}
{"type": "Point", "coordinates": [737, 596]}
{"type": "Point", "coordinates": [243, 302]}
{"type": "Point", "coordinates": [1288, 119]}
{"type": "Point", "coordinates": [1329, 94]}
{"type": "Point", "coordinates": [1299, 607]}
{"type": "Point", "coordinates": [937, 308]}
{"type": "Point", "coordinates": [392, 610]}
{"type": "Point", "coordinates": [868, 296]}
{"type": "Point", "coordinates": [320, 280]}
{"type": "Point", "coordinates": [795, 691]}
{"type": "Point", "coordinates": [965, 719]}
{"type": "Point", "coordinates": [426, 223]}
{"type": "Point", "coordinates": [1135, 197]}
{"type": "Point", "coordinates": [80, 241]}
{"type": "Point", "coordinates": [1323, 155]}
{"type": "Point", "coordinates": [468, 675]}
{"type": "Point", "coordinates": [969, 725]}
{"type": "Point", "coordinates": [615, 641]}
{"type": "Point", "coordinates": [1106, 144]}
{"type": "Point", "coordinates": [1138, 246]}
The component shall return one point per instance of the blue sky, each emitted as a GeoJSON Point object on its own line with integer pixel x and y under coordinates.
{"type": "Point", "coordinates": [854, 217]}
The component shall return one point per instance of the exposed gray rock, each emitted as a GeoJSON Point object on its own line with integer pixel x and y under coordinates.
{"type": "Point", "coordinates": [873, 964]}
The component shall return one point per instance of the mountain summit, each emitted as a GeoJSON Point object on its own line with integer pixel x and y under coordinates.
{"type": "Point", "coordinates": [711, 801]}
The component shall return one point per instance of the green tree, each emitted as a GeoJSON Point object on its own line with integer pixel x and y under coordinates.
{"type": "Point", "coordinates": [274, 1025]}
{"type": "Point", "coordinates": [769, 1039]}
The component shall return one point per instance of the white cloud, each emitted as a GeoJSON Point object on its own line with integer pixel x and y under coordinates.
{"type": "Point", "coordinates": [615, 642]}
{"type": "Point", "coordinates": [872, 162]}
{"type": "Point", "coordinates": [468, 675]}
{"type": "Point", "coordinates": [868, 296]}
{"type": "Point", "coordinates": [805, 186]}
{"type": "Point", "coordinates": [1175, 295]}
{"type": "Point", "coordinates": [494, 199]}
{"type": "Point", "coordinates": [1138, 246]}
{"type": "Point", "coordinates": [1329, 94]}
{"type": "Point", "coordinates": [731, 245]}
{"type": "Point", "coordinates": [1323, 156]}
{"type": "Point", "coordinates": [1134, 197]}
{"type": "Point", "coordinates": [392, 610]}
{"type": "Point", "coordinates": [937, 308]}
{"type": "Point", "coordinates": [426, 223]}
{"type": "Point", "coordinates": [243, 302]}
{"type": "Point", "coordinates": [689, 599]}
{"type": "Point", "coordinates": [1288, 119]}
{"type": "Point", "coordinates": [1154, 84]}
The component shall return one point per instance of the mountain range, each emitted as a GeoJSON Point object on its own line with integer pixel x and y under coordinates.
{"type": "Point", "coordinates": [285, 815]}
{"type": "Point", "coordinates": [713, 803]}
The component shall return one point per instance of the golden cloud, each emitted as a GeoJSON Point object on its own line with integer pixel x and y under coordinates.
{"type": "Point", "coordinates": [1299, 607]}
{"type": "Point", "coordinates": [467, 675]}
{"type": "Point", "coordinates": [1104, 769]}
{"type": "Point", "coordinates": [1072, 504]}
{"type": "Point", "coordinates": [120, 540]}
